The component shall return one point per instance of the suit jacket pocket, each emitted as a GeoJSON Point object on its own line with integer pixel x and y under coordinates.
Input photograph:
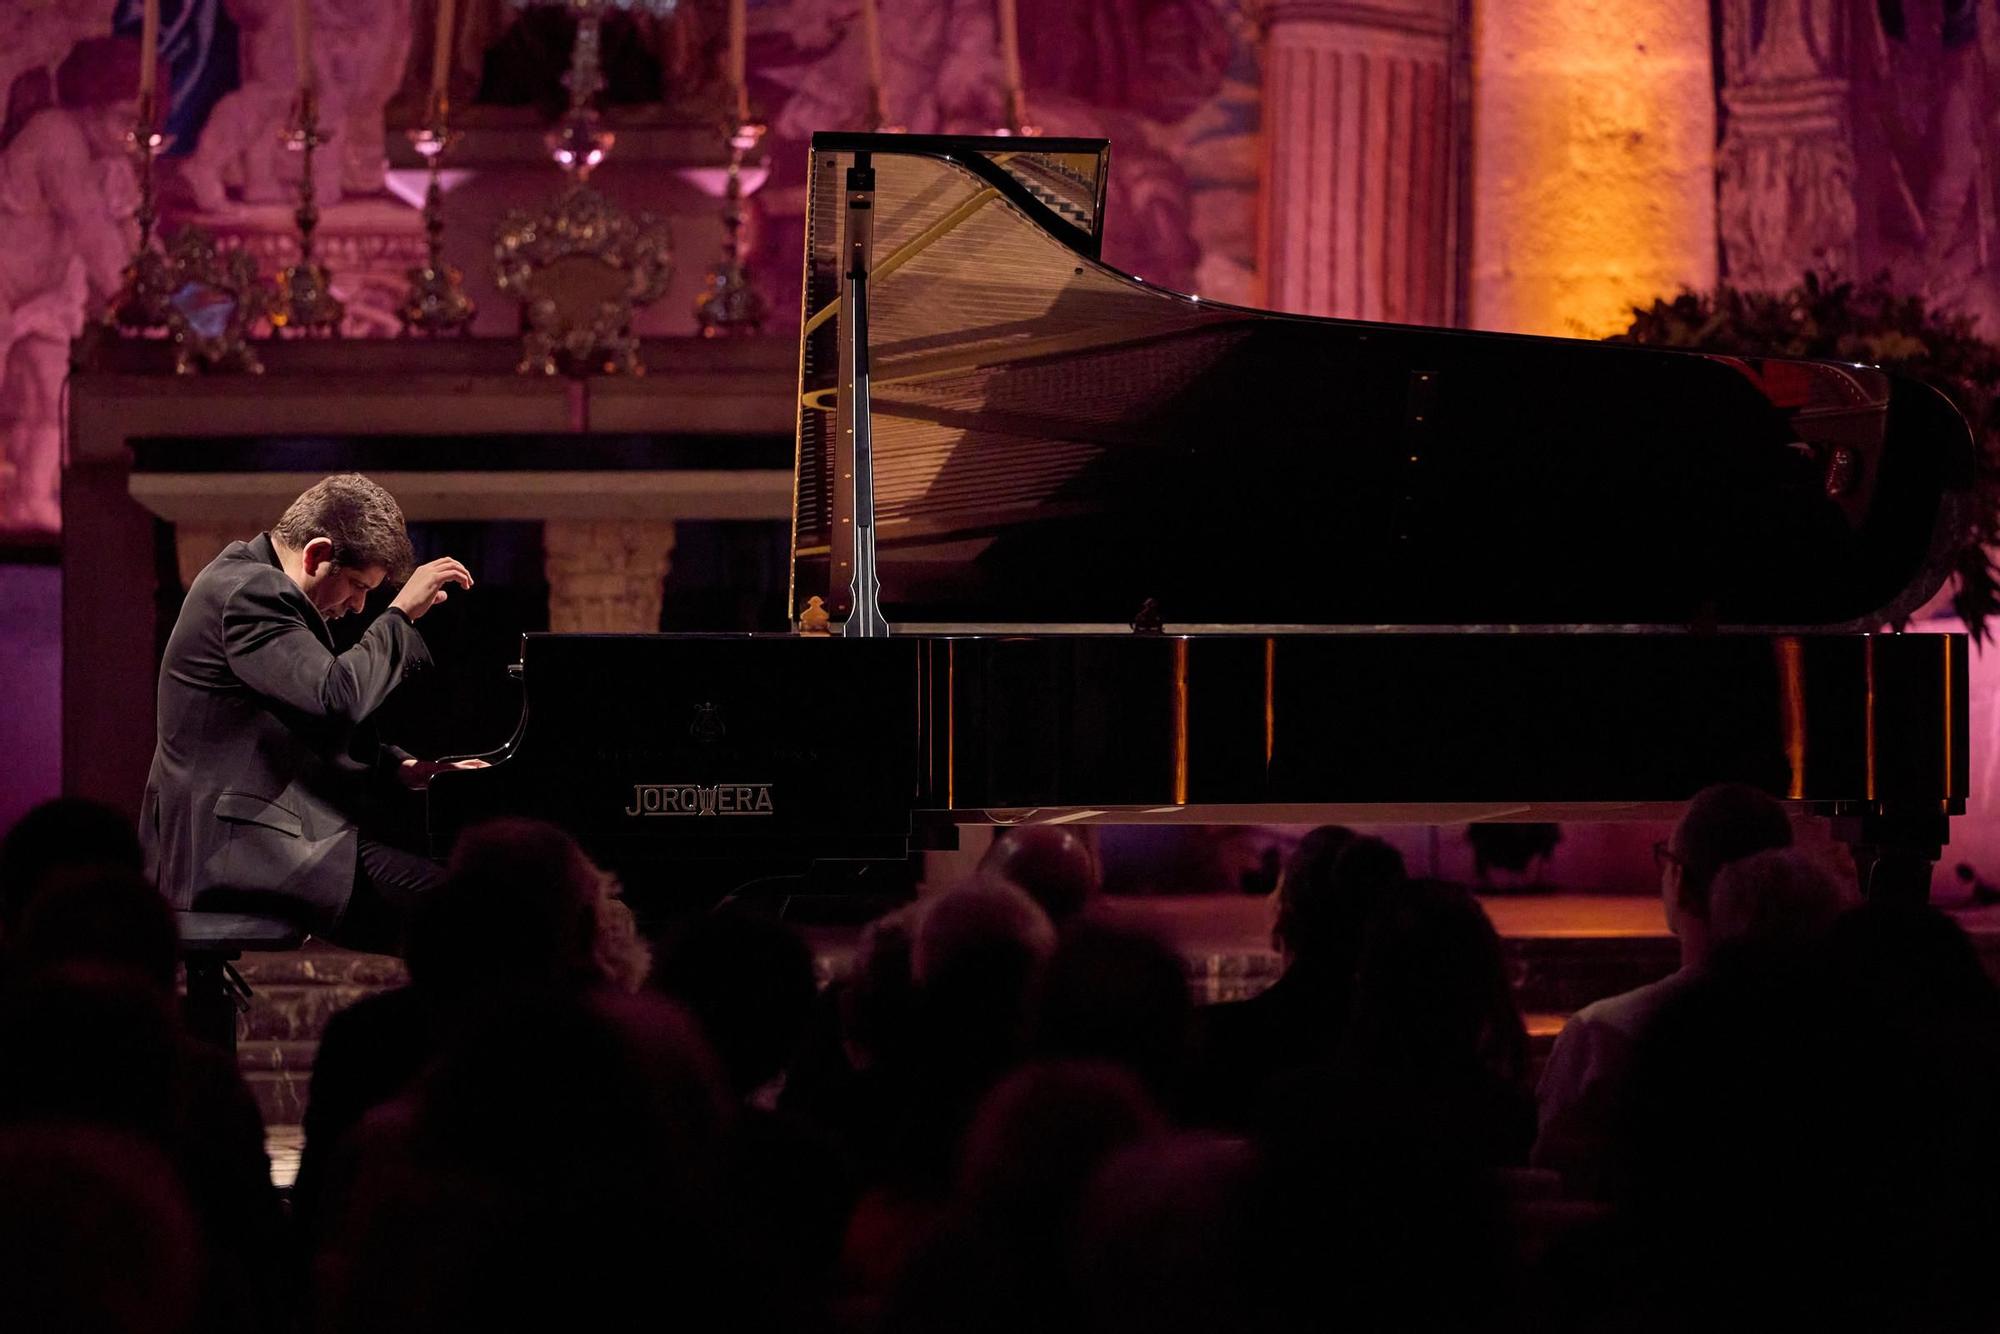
{"type": "Point", "coordinates": [260, 846]}
{"type": "Point", "coordinates": [243, 808]}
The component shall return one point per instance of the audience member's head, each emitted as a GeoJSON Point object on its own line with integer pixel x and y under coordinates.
{"type": "Point", "coordinates": [1053, 864]}
{"type": "Point", "coordinates": [1433, 992]}
{"type": "Point", "coordinates": [1167, 1240]}
{"type": "Point", "coordinates": [1116, 995]}
{"type": "Point", "coordinates": [749, 981]}
{"type": "Point", "coordinates": [996, 1261]}
{"type": "Point", "coordinates": [523, 908]}
{"type": "Point", "coordinates": [96, 922]}
{"type": "Point", "coordinates": [1039, 1135]}
{"type": "Point", "coordinates": [96, 1234]}
{"type": "Point", "coordinates": [92, 1050]}
{"type": "Point", "coordinates": [557, 1167]}
{"type": "Point", "coordinates": [1777, 1114]}
{"type": "Point", "coordinates": [68, 833]}
{"type": "Point", "coordinates": [1724, 823]}
{"type": "Point", "coordinates": [1327, 894]}
{"type": "Point", "coordinates": [878, 995]}
{"type": "Point", "coordinates": [977, 952]}
{"type": "Point", "coordinates": [978, 929]}
{"type": "Point", "coordinates": [1776, 900]}
{"type": "Point", "coordinates": [1913, 966]}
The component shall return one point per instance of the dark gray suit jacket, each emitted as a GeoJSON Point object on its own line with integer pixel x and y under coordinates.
{"type": "Point", "coordinates": [265, 760]}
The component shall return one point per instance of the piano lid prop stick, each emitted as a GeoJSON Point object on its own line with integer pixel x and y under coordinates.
{"type": "Point", "coordinates": [854, 452]}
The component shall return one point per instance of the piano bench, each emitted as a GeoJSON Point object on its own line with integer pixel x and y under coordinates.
{"type": "Point", "coordinates": [211, 942]}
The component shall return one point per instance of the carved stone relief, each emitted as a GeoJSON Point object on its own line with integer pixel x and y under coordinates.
{"type": "Point", "coordinates": [1786, 185]}
{"type": "Point", "coordinates": [67, 196]}
{"type": "Point", "coordinates": [359, 50]}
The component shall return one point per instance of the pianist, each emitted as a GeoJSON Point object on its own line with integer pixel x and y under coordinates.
{"type": "Point", "coordinates": [265, 775]}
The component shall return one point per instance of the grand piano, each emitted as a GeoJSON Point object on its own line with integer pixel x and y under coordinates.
{"type": "Point", "coordinates": [1070, 547]}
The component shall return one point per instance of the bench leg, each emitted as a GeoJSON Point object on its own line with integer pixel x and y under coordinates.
{"type": "Point", "coordinates": [214, 995]}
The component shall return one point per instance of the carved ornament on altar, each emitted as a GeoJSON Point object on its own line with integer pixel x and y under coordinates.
{"type": "Point", "coordinates": [217, 299]}
{"type": "Point", "coordinates": [579, 271]}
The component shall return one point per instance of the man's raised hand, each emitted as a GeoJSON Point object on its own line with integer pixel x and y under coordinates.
{"type": "Point", "coordinates": [426, 586]}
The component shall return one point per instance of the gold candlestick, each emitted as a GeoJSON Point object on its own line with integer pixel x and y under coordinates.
{"type": "Point", "coordinates": [729, 304]}
{"type": "Point", "coordinates": [141, 303]}
{"type": "Point", "coordinates": [305, 301]}
{"type": "Point", "coordinates": [436, 302]}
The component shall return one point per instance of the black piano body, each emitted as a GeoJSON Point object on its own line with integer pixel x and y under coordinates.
{"type": "Point", "coordinates": [1068, 547]}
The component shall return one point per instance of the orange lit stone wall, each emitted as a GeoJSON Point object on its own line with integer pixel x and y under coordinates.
{"type": "Point", "coordinates": [1593, 160]}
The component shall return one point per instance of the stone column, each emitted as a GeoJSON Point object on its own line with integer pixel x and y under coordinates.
{"type": "Point", "coordinates": [605, 574]}
{"type": "Point", "coordinates": [1785, 177]}
{"type": "Point", "coordinates": [196, 544]}
{"type": "Point", "coordinates": [1360, 196]}
{"type": "Point", "coordinates": [1593, 161]}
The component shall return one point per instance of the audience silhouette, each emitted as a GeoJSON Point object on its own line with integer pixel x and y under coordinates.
{"type": "Point", "coordinates": [1585, 1079]}
{"type": "Point", "coordinates": [1326, 897]}
{"type": "Point", "coordinates": [1005, 1112]}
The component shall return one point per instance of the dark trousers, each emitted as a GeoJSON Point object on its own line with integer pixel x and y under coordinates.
{"type": "Point", "coordinates": [388, 884]}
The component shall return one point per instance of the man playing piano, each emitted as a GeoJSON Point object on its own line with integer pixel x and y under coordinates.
{"type": "Point", "coordinates": [264, 793]}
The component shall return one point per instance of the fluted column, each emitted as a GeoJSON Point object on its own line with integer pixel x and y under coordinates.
{"type": "Point", "coordinates": [605, 575]}
{"type": "Point", "coordinates": [1360, 193]}
{"type": "Point", "coordinates": [196, 544]}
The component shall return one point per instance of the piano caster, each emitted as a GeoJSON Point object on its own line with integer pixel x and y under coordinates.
{"type": "Point", "coordinates": [1894, 851]}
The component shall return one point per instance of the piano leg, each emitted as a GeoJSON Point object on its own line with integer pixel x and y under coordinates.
{"type": "Point", "coordinates": [1894, 850]}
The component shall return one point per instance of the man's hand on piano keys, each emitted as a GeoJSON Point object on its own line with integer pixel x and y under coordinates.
{"type": "Point", "coordinates": [417, 774]}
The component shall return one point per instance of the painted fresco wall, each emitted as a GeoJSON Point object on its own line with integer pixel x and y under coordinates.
{"type": "Point", "coordinates": [1172, 83]}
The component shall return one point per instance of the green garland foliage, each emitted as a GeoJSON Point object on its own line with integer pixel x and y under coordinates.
{"type": "Point", "coordinates": [1826, 316]}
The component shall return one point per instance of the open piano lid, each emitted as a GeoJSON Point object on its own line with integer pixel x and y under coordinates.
{"type": "Point", "coordinates": [1058, 445]}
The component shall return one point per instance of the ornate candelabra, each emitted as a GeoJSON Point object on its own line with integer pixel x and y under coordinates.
{"type": "Point", "coordinates": [582, 266]}
{"type": "Point", "coordinates": [436, 302]}
{"type": "Point", "coordinates": [728, 304]}
{"type": "Point", "coordinates": [141, 304]}
{"type": "Point", "coordinates": [305, 300]}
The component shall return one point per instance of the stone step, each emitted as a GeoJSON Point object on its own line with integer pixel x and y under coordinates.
{"type": "Point", "coordinates": [292, 996]}
{"type": "Point", "coordinates": [262, 1055]}
{"type": "Point", "coordinates": [280, 1094]}
{"type": "Point", "coordinates": [321, 965]}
